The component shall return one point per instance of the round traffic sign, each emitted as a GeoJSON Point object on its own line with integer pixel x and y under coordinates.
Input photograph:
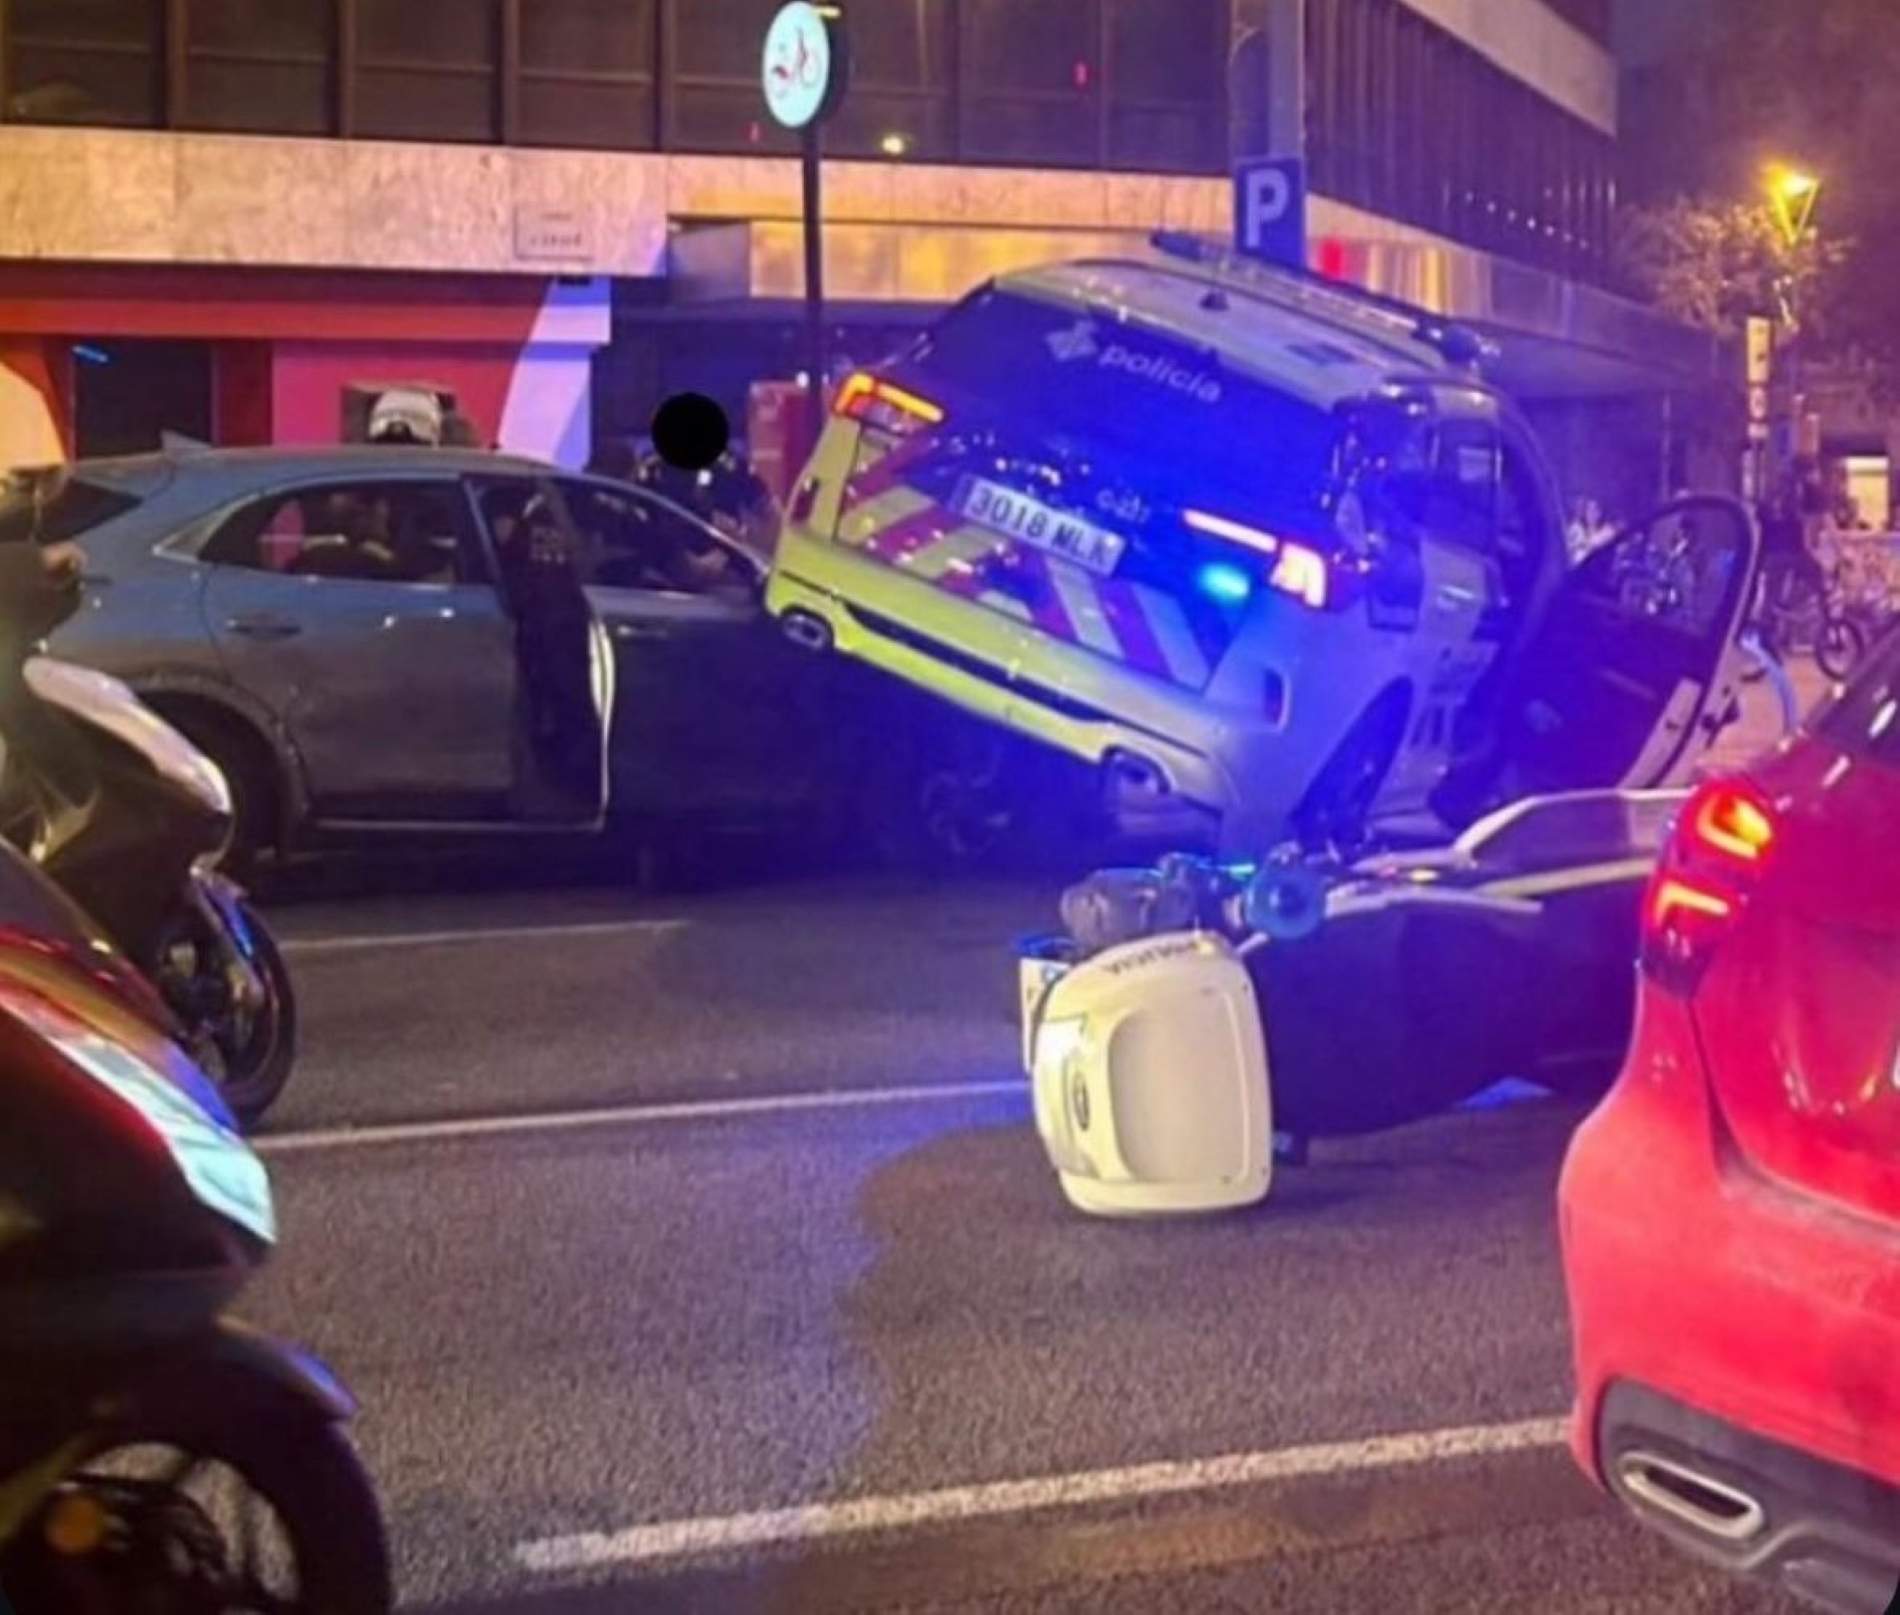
{"type": "Point", "coordinates": [803, 69]}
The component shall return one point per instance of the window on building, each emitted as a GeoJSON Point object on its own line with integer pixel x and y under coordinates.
{"type": "Point", "coordinates": [128, 393]}
{"type": "Point", "coordinates": [426, 69]}
{"type": "Point", "coordinates": [264, 68]}
{"type": "Point", "coordinates": [902, 101]}
{"type": "Point", "coordinates": [1250, 95]}
{"type": "Point", "coordinates": [1163, 57]}
{"type": "Point", "coordinates": [903, 89]}
{"type": "Point", "coordinates": [587, 73]}
{"type": "Point", "coordinates": [85, 61]}
{"type": "Point", "coordinates": [1032, 79]}
{"type": "Point", "coordinates": [716, 101]}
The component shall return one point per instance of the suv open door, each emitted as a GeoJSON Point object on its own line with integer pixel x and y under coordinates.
{"type": "Point", "coordinates": [1639, 658]}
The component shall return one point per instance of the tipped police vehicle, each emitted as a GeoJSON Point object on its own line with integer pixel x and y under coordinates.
{"type": "Point", "coordinates": [1261, 547]}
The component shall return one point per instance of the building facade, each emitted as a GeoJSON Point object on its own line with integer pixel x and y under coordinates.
{"type": "Point", "coordinates": [216, 215]}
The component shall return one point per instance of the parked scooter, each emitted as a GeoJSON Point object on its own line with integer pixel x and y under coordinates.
{"type": "Point", "coordinates": [129, 818]}
{"type": "Point", "coordinates": [154, 1455]}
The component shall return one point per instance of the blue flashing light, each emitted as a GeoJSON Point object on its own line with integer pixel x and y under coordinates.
{"type": "Point", "coordinates": [85, 353]}
{"type": "Point", "coordinates": [1227, 585]}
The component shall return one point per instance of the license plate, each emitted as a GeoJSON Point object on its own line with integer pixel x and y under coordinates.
{"type": "Point", "coordinates": [1018, 516]}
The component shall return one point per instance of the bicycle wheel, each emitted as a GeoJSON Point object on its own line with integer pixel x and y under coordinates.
{"type": "Point", "coordinates": [1839, 646]}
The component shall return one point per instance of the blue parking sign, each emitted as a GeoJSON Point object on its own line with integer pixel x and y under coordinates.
{"type": "Point", "coordinates": [1270, 209]}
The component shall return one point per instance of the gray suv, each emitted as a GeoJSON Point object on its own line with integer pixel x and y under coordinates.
{"type": "Point", "coordinates": [338, 629]}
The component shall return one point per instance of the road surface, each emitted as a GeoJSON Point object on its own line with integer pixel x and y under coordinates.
{"type": "Point", "coordinates": [697, 1254]}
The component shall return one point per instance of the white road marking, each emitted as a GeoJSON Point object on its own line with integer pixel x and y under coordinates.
{"type": "Point", "coordinates": [676, 1539]}
{"type": "Point", "coordinates": [435, 939]}
{"type": "Point", "coordinates": [689, 1110]}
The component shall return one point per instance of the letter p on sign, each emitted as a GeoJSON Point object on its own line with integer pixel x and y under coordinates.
{"type": "Point", "coordinates": [1270, 210]}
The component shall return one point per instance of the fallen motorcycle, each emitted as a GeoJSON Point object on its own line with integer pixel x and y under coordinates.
{"type": "Point", "coordinates": [1188, 1013]}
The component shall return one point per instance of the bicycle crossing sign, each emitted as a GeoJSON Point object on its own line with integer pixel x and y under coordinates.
{"type": "Point", "coordinates": [804, 67]}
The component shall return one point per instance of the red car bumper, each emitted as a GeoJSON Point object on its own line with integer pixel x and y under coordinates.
{"type": "Point", "coordinates": [1742, 1335]}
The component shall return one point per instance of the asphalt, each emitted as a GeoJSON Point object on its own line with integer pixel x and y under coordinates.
{"type": "Point", "coordinates": [713, 1265]}
{"type": "Point", "coordinates": [868, 1310]}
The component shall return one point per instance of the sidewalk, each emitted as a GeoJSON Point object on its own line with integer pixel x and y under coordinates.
{"type": "Point", "coordinates": [1760, 727]}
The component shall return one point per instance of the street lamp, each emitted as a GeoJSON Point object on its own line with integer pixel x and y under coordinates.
{"type": "Point", "coordinates": [1794, 193]}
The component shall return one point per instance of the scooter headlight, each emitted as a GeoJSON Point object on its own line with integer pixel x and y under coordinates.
{"type": "Point", "coordinates": [1059, 1041]}
{"type": "Point", "coordinates": [191, 1120]}
{"type": "Point", "coordinates": [1059, 1045]}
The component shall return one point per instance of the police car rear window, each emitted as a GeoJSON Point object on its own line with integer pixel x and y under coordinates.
{"type": "Point", "coordinates": [1071, 373]}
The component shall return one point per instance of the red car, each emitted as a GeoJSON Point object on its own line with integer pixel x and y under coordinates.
{"type": "Point", "coordinates": [1731, 1212]}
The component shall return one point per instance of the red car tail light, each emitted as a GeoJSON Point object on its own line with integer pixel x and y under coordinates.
{"type": "Point", "coordinates": [869, 398]}
{"type": "Point", "coordinates": [1708, 873]}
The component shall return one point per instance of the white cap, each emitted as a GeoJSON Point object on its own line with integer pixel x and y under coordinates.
{"type": "Point", "coordinates": [408, 411]}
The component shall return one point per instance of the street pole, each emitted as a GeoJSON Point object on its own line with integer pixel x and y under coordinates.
{"type": "Point", "coordinates": [812, 147]}
{"type": "Point", "coordinates": [805, 71]}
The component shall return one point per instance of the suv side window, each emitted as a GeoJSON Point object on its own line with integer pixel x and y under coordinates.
{"type": "Point", "coordinates": [1443, 480]}
{"type": "Point", "coordinates": [366, 532]}
{"type": "Point", "coordinates": [1524, 533]}
{"type": "Point", "coordinates": [1465, 481]}
{"type": "Point", "coordinates": [631, 541]}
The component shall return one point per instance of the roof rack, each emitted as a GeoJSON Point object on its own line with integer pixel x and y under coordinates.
{"type": "Point", "coordinates": [1457, 344]}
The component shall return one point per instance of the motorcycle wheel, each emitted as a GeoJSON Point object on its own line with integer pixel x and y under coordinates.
{"type": "Point", "coordinates": [1839, 646]}
{"type": "Point", "coordinates": [201, 1512]}
{"type": "Point", "coordinates": [249, 1054]}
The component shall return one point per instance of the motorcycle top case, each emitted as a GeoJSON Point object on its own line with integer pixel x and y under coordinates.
{"type": "Point", "coordinates": [1149, 1069]}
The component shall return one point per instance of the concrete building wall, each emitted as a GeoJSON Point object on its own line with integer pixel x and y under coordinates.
{"type": "Point", "coordinates": [1535, 45]}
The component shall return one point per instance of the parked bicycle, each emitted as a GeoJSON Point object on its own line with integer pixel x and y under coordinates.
{"type": "Point", "coordinates": [1806, 611]}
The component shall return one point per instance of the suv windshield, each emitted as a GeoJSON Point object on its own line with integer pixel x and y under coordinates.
{"type": "Point", "coordinates": [1178, 407]}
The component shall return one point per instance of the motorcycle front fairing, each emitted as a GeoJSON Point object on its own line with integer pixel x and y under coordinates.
{"type": "Point", "coordinates": [1150, 1079]}
{"type": "Point", "coordinates": [169, 1209]}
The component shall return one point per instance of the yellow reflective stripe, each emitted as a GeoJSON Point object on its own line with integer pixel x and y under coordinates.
{"type": "Point", "coordinates": [864, 522]}
{"type": "Point", "coordinates": [1076, 590]}
{"type": "Point", "coordinates": [958, 548]}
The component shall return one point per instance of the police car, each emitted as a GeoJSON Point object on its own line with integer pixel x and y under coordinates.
{"type": "Point", "coordinates": [1263, 548]}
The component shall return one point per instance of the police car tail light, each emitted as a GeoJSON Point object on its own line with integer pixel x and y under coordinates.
{"type": "Point", "coordinates": [1301, 570]}
{"type": "Point", "coordinates": [871, 399]}
{"type": "Point", "coordinates": [1225, 527]}
{"type": "Point", "coordinates": [1708, 873]}
{"type": "Point", "coordinates": [1302, 573]}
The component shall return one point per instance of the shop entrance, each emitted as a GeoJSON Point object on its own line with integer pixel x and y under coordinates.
{"type": "Point", "coordinates": [127, 393]}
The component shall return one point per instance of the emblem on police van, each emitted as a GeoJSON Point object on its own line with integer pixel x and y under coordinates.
{"type": "Point", "coordinates": [1077, 341]}
{"type": "Point", "coordinates": [1126, 507]}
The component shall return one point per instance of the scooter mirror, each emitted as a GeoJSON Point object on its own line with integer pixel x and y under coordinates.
{"type": "Point", "coordinates": [1284, 902]}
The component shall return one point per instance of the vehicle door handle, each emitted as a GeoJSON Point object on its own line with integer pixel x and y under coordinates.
{"type": "Point", "coordinates": [264, 625]}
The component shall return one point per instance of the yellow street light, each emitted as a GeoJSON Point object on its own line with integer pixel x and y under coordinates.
{"type": "Point", "coordinates": [1794, 192]}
